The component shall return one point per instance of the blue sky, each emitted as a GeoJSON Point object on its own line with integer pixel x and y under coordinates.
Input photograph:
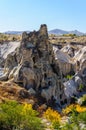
{"type": "Point", "coordinates": [29, 14]}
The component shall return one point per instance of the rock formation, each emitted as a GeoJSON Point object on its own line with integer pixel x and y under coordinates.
{"type": "Point", "coordinates": [5, 49]}
{"type": "Point", "coordinates": [32, 65]}
{"type": "Point", "coordinates": [63, 60]}
{"type": "Point", "coordinates": [39, 69]}
{"type": "Point", "coordinates": [77, 84]}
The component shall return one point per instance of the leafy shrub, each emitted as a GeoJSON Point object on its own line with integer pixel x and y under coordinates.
{"type": "Point", "coordinates": [82, 100]}
{"type": "Point", "coordinates": [68, 109]}
{"type": "Point", "coordinates": [69, 35]}
{"type": "Point", "coordinates": [16, 116]}
{"type": "Point", "coordinates": [74, 107]}
{"type": "Point", "coordinates": [69, 77]}
{"type": "Point", "coordinates": [77, 116]}
{"type": "Point", "coordinates": [81, 86]}
{"type": "Point", "coordinates": [82, 117]}
{"type": "Point", "coordinates": [72, 126]}
{"type": "Point", "coordinates": [77, 121]}
{"type": "Point", "coordinates": [53, 116]}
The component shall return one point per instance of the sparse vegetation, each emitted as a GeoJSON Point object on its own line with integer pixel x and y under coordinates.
{"type": "Point", "coordinates": [21, 115]}
{"type": "Point", "coordinates": [81, 86]}
{"type": "Point", "coordinates": [75, 118]}
{"type": "Point", "coordinates": [54, 117]}
{"type": "Point", "coordinates": [69, 35]}
{"type": "Point", "coordinates": [14, 116]}
{"type": "Point", "coordinates": [9, 37]}
{"type": "Point", "coordinates": [69, 77]}
{"type": "Point", "coordinates": [82, 100]}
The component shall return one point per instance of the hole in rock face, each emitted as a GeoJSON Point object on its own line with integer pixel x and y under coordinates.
{"type": "Point", "coordinates": [40, 54]}
{"type": "Point", "coordinates": [55, 69]}
{"type": "Point", "coordinates": [62, 103]}
{"type": "Point", "coordinates": [45, 75]}
{"type": "Point", "coordinates": [40, 88]}
{"type": "Point", "coordinates": [50, 83]}
{"type": "Point", "coordinates": [60, 96]}
{"type": "Point", "coordinates": [78, 63]}
{"type": "Point", "coordinates": [84, 71]}
{"type": "Point", "coordinates": [34, 59]}
{"type": "Point", "coordinates": [65, 101]}
{"type": "Point", "coordinates": [72, 100]}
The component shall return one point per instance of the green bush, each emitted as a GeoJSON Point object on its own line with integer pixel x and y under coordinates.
{"type": "Point", "coordinates": [14, 116]}
{"type": "Point", "coordinates": [69, 77]}
{"type": "Point", "coordinates": [82, 100]}
{"type": "Point", "coordinates": [70, 35]}
{"type": "Point", "coordinates": [56, 125]}
{"type": "Point", "coordinates": [74, 123]}
{"type": "Point", "coordinates": [81, 86]}
{"type": "Point", "coordinates": [77, 119]}
{"type": "Point", "coordinates": [82, 117]}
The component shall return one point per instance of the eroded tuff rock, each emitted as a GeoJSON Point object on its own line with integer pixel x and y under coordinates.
{"type": "Point", "coordinates": [33, 65]}
{"type": "Point", "coordinates": [63, 60]}
{"type": "Point", "coordinates": [78, 83]}
{"type": "Point", "coordinates": [5, 49]}
{"type": "Point", "coordinates": [80, 59]}
{"type": "Point", "coordinates": [40, 70]}
{"type": "Point", "coordinates": [70, 50]}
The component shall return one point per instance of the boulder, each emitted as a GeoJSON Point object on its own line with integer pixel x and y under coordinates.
{"type": "Point", "coordinates": [70, 88]}
{"type": "Point", "coordinates": [70, 50]}
{"type": "Point", "coordinates": [31, 91]}
{"type": "Point", "coordinates": [5, 49]}
{"type": "Point", "coordinates": [80, 60]}
{"type": "Point", "coordinates": [63, 60]}
{"type": "Point", "coordinates": [31, 64]}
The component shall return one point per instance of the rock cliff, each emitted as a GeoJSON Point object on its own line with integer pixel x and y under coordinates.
{"type": "Point", "coordinates": [33, 65]}
{"type": "Point", "coordinates": [40, 69]}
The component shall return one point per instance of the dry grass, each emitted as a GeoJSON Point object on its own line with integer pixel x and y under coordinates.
{"type": "Point", "coordinates": [67, 39]}
{"type": "Point", "coordinates": [12, 91]}
{"type": "Point", "coordinates": [9, 37]}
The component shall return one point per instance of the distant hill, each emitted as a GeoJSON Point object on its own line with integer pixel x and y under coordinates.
{"type": "Point", "coordinates": [57, 31]}
{"type": "Point", "coordinates": [54, 31]}
{"type": "Point", "coordinates": [77, 32]}
{"type": "Point", "coordinates": [15, 32]}
{"type": "Point", "coordinates": [61, 32]}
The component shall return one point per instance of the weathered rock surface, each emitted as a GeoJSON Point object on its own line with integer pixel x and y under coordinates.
{"type": "Point", "coordinates": [80, 59]}
{"type": "Point", "coordinates": [40, 68]}
{"type": "Point", "coordinates": [32, 65]}
{"type": "Point", "coordinates": [63, 60]}
{"type": "Point", "coordinates": [72, 59]}
{"type": "Point", "coordinates": [5, 49]}
{"type": "Point", "coordinates": [70, 50]}
{"type": "Point", "coordinates": [79, 79]}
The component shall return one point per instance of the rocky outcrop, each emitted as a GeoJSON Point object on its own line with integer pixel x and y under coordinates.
{"type": "Point", "coordinates": [78, 83]}
{"type": "Point", "coordinates": [40, 68]}
{"type": "Point", "coordinates": [70, 50]}
{"type": "Point", "coordinates": [80, 59]}
{"type": "Point", "coordinates": [80, 64]}
{"type": "Point", "coordinates": [33, 65]}
{"type": "Point", "coordinates": [5, 49]}
{"type": "Point", "coordinates": [63, 60]}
